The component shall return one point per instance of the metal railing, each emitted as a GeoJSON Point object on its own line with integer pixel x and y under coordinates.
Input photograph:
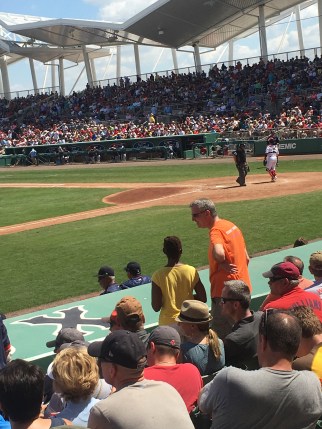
{"type": "Point", "coordinates": [30, 92]}
{"type": "Point", "coordinates": [284, 56]}
{"type": "Point", "coordinates": [282, 132]}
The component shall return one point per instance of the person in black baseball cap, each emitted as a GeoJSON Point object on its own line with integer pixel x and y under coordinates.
{"type": "Point", "coordinates": [135, 278]}
{"type": "Point", "coordinates": [106, 279]}
{"type": "Point", "coordinates": [134, 268]}
{"type": "Point", "coordinates": [135, 400]}
{"type": "Point", "coordinates": [239, 155]}
{"type": "Point", "coordinates": [123, 348]}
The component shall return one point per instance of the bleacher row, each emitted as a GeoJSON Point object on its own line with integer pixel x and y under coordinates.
{"type": "Point", "coordinates": [29, 333]}
{"type": "Point", "coordinates": [251, 99]}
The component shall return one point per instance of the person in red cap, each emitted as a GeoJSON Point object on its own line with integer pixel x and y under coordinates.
{"type": "Point", "coordinates": [304, 283]}
{"type": "Point", "coordinates": [283, 282]}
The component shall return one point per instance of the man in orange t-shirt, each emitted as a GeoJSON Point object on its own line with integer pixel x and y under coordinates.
{"type": "Point", "coordinates": [227, 254]}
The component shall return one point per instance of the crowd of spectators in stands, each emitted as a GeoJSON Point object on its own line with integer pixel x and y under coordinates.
{"type": "Point", "coordinates": [132, 361]}
{"type": "Point", "coordinates": [243, 99]}
{"type": "Point", "coordinates": [186, 355]}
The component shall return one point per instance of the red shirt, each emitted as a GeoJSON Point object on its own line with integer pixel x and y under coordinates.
{"type": "Point", "coordinates": [184, 377]}
{"type": "Point", "coordinates": [295, 298]}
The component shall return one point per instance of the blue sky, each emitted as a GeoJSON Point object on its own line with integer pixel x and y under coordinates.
{"type": "Point", "coordinates": [109, 10]}
{"type": "Point", "coordinates": [57, 8]}
{"type": "Point", "coordinates": [282, 37]}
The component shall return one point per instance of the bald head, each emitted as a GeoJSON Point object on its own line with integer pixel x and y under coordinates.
{"type": "Point", "coordinates": [282, 331]}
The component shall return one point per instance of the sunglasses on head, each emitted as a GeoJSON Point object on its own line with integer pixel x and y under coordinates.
{"type": "Point", "coordinates": [264, 320]}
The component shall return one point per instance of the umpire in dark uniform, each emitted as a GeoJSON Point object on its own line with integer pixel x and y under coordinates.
{"type": "Point", "coordinates": [241, 163]}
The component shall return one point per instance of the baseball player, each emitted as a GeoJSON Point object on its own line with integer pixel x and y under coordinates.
{"type": "Point", "coordinates": [271, 156]}
{"type": "Point", "coordinates": [241, 164]}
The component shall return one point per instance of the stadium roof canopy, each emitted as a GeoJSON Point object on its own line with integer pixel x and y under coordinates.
{"type": "Point", "coordinates": [209, 23]}
{"type": "Point", "coordinates": [166, 23]}
{"type": "Point", "coordinates": [46, 53]}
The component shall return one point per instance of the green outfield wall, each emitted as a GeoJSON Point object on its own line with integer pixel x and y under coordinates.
{"type": "Point", "coordinates": [289, 147]}
{"type": "Point", "coordinates": [110, 150]}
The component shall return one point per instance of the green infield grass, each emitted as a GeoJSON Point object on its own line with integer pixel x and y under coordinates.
{"type": "Point", "coordinates": [45, 265]}
{"type": "Point", "coordinates": [107, 173]}
{"type": "Point", "coordinates": [28, 204]}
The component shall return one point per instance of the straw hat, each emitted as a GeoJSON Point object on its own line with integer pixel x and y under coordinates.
{"type": "Point", "coordinates": [194, 311]}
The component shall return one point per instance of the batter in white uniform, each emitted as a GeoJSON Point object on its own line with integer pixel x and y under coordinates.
{"type": "Point", "coordinates": [271, 158]}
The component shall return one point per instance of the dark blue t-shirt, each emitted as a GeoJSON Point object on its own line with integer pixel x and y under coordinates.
{"type": "Point", "coordinates": [135, 281]}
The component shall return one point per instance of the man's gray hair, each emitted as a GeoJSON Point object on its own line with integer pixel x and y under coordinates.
{"type": "Point", "coordinates": [294, 283]}
{"type": "Point", "coordinates": [239, 290]}
{"type": "Point", "coordinates": [205, 204]}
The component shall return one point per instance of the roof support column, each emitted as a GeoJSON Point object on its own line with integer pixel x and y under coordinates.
{"type": "Point", "coordinates": [230, 51]}
{"type": "Point", "coordinates": [137, 60]}
{"type": "Point", "coordinates": [175, 60]}
{"type": "Point", "coordinates": [118, 63]}
{"type": "Point", "coordinates": [197, 57]}
{"type": "Point", "coordinates": [93, 68]}
{"type": "Point", "coordinates": [1, 86]}
{"type": "Point", "coordinates": [87, 67]}
{"type": "Point", "coordinates": [262, 32]}
{"type": "Point", "coordinates": [5, 78]}
{"type": "Point", "coordinates": [33, 75]}
{"type": "Point", "coordinates": [61, 76]}
{"type": "Point", "coordinates": [320, 19]}
{"type": "Point", "coordinates": [53, 74]}
{"type": "Point", "coordinates": [297, 11]}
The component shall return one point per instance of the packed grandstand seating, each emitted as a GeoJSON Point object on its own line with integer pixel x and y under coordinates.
{"type": "Point", "coordinates": [243, 101]}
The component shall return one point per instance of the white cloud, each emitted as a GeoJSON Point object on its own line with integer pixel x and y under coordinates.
{"type": "Point", "coordinates": [119, 10]}
{"type": "Point", "coordinates": [152, 59]}
{"type": "Point", "coordinates": [309, 12]}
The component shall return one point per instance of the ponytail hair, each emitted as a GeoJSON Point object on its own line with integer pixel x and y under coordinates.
{"type": "Point", "coordinates": [213, 339]}
{"type": "Point", "coordinates": [214, 343]}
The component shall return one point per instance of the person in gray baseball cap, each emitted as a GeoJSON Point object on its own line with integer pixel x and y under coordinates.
{"type": "Point", "coordinates": [163, 353]}
{"type": "Point", "coordinates": [67, 336]}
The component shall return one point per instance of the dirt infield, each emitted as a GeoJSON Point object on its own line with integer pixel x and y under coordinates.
{"type": "Point", "coordinates": [142, 195]}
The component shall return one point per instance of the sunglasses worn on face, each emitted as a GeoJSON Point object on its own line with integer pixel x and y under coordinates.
{"type": "Point", "coordinates": [275, 279]}
{"type": "Point", "coordinates": [224, 300]}
{"type": "Point", "coordinates": [198, 214]}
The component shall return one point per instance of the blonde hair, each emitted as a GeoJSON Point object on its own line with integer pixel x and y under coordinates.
{"type": "Point", "coordinates": [214, 343]}
{"type": "Point", "coordinates": [76, 373]}
{"type": "Point", "coordinates": [213, 339]}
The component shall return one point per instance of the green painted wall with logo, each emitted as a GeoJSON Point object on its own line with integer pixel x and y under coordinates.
{"type": "Point", "coordinates": [289, 147]}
